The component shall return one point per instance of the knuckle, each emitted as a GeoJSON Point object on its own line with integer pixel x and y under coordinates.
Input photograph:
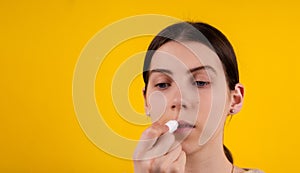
{"type": "Point", "coordinates": [175, 169]}
{"type": "Point", "coordinates": [142, 166]}
{"type": "Point", "coordinates": [150, 133]}
{"type": "Point", "coordinates": [157, 167]}
{"type": "Point", "coordinates": [163, 167]}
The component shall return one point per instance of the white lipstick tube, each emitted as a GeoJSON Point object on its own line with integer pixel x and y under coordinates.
{"type": "Point", "coordinates": [173, 125]}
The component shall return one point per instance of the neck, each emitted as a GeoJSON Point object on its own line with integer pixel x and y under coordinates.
{"type": "Point", "coordinates": [210, 158]}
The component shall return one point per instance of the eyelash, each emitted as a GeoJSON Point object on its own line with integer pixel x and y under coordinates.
{"type": "Point", "coordinates": [159, 85]}
{"type": "Point", "coordinates": [199, 84]}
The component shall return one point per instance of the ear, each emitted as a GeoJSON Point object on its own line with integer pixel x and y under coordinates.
{"type": "Point", "coordinates": [146, 106]}
{"type": "Point", "coordinates": [237, 99]}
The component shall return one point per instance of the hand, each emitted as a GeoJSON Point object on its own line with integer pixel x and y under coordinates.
{"type": "Point", "coordinates": [158, 152]}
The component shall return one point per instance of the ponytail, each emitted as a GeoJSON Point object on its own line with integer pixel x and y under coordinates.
{"type": "Point", "coordinates": [228, 154]}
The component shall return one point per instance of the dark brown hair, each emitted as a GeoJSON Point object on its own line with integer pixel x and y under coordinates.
{"type": "Point", "coordinates": [205, 34]}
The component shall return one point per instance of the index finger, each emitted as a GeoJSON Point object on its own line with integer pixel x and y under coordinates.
{"type": "Point", "coordinates": [151, 134]}
{"type": "Point", "coordinates": [155, 141]}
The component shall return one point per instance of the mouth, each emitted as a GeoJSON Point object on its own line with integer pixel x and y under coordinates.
{"type": "Point", "coordinates": [184, 124]}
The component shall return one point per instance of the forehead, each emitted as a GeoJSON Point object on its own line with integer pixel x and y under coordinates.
{"type": "Point", "coordinates": [184, 55]}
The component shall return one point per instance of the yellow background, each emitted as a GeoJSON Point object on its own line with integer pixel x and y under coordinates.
{"type": "Point", "coordinates": [41, 42]}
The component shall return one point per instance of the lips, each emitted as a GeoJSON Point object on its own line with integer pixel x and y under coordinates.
{"type": "Point", "coordinates": [184, 124]}
{"type": "Point", "coordinates": [184, 127]}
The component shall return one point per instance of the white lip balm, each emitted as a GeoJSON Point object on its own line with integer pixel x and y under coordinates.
{"type": "Point", "coordinates": [173, 125]}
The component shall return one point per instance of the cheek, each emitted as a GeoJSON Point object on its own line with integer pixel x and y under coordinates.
{"type": "Point", "coordinates": [157, 105]}
{"type": "Point", "coordinates": [205, 106]}
{"type": "Point", "coordinates": [214, 115]}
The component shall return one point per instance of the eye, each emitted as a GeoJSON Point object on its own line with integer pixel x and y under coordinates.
{"type": "Point", "coordinates": [201, 83]}
{"type": "Point", "coordinates": [162, 85]}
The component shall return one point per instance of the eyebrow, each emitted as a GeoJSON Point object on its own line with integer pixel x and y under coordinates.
{"type": "Point", "coordinates": [206, 67]}
{"type": "Point", "coordinates": [159, 70]}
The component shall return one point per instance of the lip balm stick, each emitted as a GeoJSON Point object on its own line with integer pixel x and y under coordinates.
{"type": "Point", "coordinates": [173, 125]}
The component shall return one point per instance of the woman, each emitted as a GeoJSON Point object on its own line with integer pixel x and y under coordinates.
{"type": "Point", "coordinates": [191, 75]}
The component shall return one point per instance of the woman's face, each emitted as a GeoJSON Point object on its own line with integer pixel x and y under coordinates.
{"type": "Point", "coordinates": [187, 83]}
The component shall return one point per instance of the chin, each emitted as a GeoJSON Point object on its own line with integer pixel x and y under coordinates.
{"type": "Point", "coordinates": [190, 148]}
{"type": "Point", "coordinates": [189, 144]}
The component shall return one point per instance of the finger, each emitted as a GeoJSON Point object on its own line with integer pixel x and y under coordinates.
{"type": "Point", "coordinates": [151, 134]}
{"type": "Point", "coordinates": [155, 130]}
{"type": "Point", "coordinates": [163, 163]}
{"type": "Point", "coordinates": [179, 165]}
{"type": "Point", "coordinates": [175, 145]}
{"type": "Point", "coordinates": [161, 147]}
{"type": "Point", "coordinates": [149, 138]}
{"type": "Point", "coordinates": [142, 166]}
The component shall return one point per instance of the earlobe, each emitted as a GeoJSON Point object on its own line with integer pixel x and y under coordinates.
{"type": "Point", "coordinates": [237, 99]}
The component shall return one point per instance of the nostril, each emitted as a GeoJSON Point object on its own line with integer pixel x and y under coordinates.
{"type": "Point", "coordinates": [183, 106]}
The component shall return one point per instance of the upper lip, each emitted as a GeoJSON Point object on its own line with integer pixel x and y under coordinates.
{"type": "Point", "coordinates": [182, 124]}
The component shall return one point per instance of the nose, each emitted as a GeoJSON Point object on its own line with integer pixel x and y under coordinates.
{"type": "Point", "coordinates": [177, 102]}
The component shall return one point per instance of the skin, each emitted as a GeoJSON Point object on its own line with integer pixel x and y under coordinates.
{"type": "Point", "coordinates": [186, 83]}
